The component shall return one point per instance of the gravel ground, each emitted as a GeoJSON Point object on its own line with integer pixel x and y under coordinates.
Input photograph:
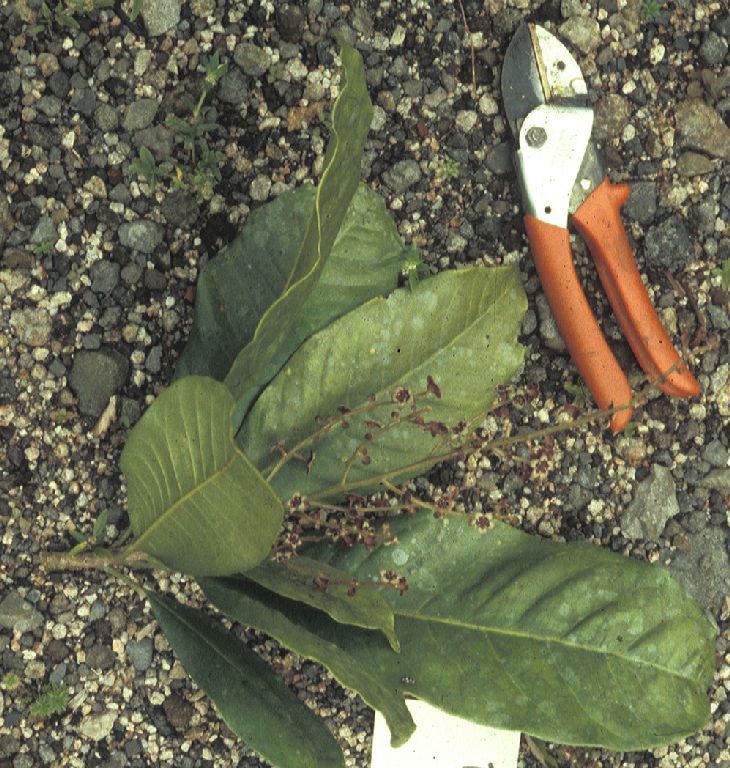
{"type": "Point", "coordinates": [97, 288]}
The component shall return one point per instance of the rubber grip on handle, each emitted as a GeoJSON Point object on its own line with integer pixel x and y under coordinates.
{"type": "Point", "coordinates": [591, 354]}
{"type": "Point", "coordinates": [599, 222]}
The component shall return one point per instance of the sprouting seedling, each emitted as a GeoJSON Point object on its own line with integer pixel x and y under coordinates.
{"type": "Point", "coordinates": [147, 167]}
{"type": "Point", "coordinates": [651, 10]}
{"type": "Point", "coordinates": [723, 273]}
{"type": "Point", "coordinates": [52, 701]}
{"type": "Point", "coordinates": [414, 269]}
{"type": "Point", "coordinates": [581, 394]}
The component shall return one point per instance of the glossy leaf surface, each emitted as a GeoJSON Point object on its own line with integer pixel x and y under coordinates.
{"type": "Point", "coordinates": [236, 288]}
{"type": "Point", "coordinates": [196, 503]}
{"type": "Point", "coordinates": [569, 643]}
{"type": "Point", "coordinates": [279, 333]}
{"type": "Point", "coordinates": [459, 327]}
{"type": "Point", "coordinates": [330, 590]}
{"type": "Point", "coordinates": [251, 605]}
{"type": "Point", "coordinates": [255, 703]}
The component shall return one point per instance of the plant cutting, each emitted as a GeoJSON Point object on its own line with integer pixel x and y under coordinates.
{"type": "Point", "coordinates": [277, 471]}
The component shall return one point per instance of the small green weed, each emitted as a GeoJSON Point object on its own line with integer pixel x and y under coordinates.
{"type": "Point", "coordinates": [448, 168]}
{"type": "Point", "coordinates": [414, 269]}
{"type": "Point", "coordinates": [11, 681]}
{"type": "Point", "coordinates": [581, 394]}
{"type": "Point", "coordinates": [651, 10]}
{"type": "Point", "coordinates": [52, 701]}
{"type": "Point", "coordinates": [64, 14]}
{"type": "Point", "coordinates": [723, 273]}
{"type": "Point", "coordinates": [201, 173]}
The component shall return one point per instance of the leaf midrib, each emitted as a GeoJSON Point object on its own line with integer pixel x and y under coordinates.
{"type": "Point", "coordinates": [482, 629]}
{"type": "Point", "coordinates": [179, 502]}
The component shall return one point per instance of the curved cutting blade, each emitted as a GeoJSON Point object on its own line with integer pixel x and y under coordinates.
{"type": "Point", "coordinates": [538, 69]}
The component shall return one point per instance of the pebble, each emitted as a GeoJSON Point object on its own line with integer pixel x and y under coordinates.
{"type": "Point", "coordinates": [254, 61]}
{"type": "Point", "coordinates": [160, 15]}
{"type": "Point", "coordinates": [642, 203]}
{"type": "Point", "coordinates": [654, 503]}
{"type": "Point", "coordinates": [699, 127]}
{"type": "Point", "coordinates": [142, 235]}
{"type": "Point", "coordinates": [104, 276]}
{"type": "Point", "coordinates": [178, 711]}
{"type": "Point", "coordinates": [97, 727]}
{"type": "Point", "coordinates": [106, 117]}
{"type": "Point", "coordinates": [499, 159]}
{"type": "Point", "coordinates": [153, 362]}
{"type": "Point", "coordinates": [140, 114]}
{"type": "Point", "coordinates": [260, 188]}
{"type": "Point", "coordinates": [44, 231]}
{"type": "Point", "coordinates": [548, 329]}
{"type": "Point", "coordinates": [95, 376]}
{"type": "Point", "coordinates": [716, 454]}
{"type": "Point", "coordinates": [466, 120]}
{"type": "Point", "coordinates": [403, 175]}
{"type": "Point", "coordinates": [32, 326]}
{"type": "Point", "coordinates": [155, 280]}
{"type": "Point", "coordinates": [713, 49]}
{"type": "Point", "coordinates": [290, 22]}
{"type": "Point", "coordinates": [233, 88]}
{"type": "Point", "coordinates": [694, 164]}
{"type": "Point", "coordinates": [668, 245]}
{"type": "Point", "coordinates": [583, 32]}
{"type": "Point", "coordinates": [612, 114]}
{"type": "Point", "coordinates": [100, 656]}
{"type": "Point", "coordinates": [18, 614]}
{"type": "Point", "coordinates": [704, 568]}
{"type": "Point", "coordinates": [140, 653]}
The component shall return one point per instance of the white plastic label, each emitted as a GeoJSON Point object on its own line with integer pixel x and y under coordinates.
{"type": "Point", "coordinates": [444, 741]}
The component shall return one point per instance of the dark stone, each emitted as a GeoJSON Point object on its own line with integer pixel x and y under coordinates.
{"type": "Point", "coordinates": [641, 205]}
{"type": "Point", "coordinates": [100, 657]}
{"type": "Point", "coordinates": [95, 377]}
{"type": "Point", "coordinates": [178, 711]}
{"type": "Point", "coordinates": [59, 84]}
{"type": "Point", "coordinates": [290, 22]}
{"type": "Point", "coordinates": [668, 245]}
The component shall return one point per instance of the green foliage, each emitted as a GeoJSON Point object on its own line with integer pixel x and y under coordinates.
{"type": "Point", "coordinates": [281, 330]}
{"type": "Point", "coordinates": [447, 330]}
{"type": "Point", "coordinates": [447, 169]}
{"type": "Point", "coordinates": [52, 701]}
{"type": "Point", "coordinates": [196, 503]}
{"type": "Point", "coordinates": [581, 394]}
{"type": "Point", "coordinates": [201, 170]}
{"type": "Point", "coordinates": [494, 627]}
{"type": "Point", "coordinates": [11, 681]}
{"type": "Point", "coordinates": [724, 274]}
{"type": "Point", "coordinates": [63, 15]}
{"type": "Point", "coordinates": [136, 9]}
{"type": "Point", "coordinates": [313, 386]}
{"type": "Point", "coordinates": [253, 701]}
{"type": "Point", "coordinates": [237, 287]}
{"type": "Point", "coordinates": [651, 10]}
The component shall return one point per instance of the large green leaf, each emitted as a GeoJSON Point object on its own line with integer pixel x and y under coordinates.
{"type": "Point", "coordinates": [330, 590]}
{"type": "Point", "coordinates": [196, 503]}
{"type": "Point", "coordinates": [236, 288]}
{"type": "Point", "coordinates": [279, 332]}
{"type": "Point", "coordinates": [249, 604]}
{"type": "Point", "coordinates": [459, 327]}
{"type": "Point", "coordinates": [569, 643]}
{"type": "Point", "coordinates": [255, 703]}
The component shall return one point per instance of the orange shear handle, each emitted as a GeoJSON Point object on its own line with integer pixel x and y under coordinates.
{"type": "Point", "coordinates": [599, 222]}
{"type": "Point", "coordinates": [591, 354]}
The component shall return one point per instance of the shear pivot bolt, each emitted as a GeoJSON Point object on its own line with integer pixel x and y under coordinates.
{"type": "Point", "coordinates": [536, 136]}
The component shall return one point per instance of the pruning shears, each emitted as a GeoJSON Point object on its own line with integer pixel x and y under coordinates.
{"type": "Point", "coordinates": [562, 178]}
